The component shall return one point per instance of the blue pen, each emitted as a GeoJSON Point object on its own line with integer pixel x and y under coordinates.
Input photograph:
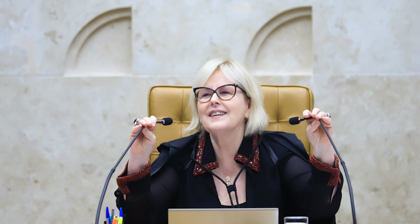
{"type": "Point", "coordinates": [107, 214]}
{"type": "Point", "coordinates": [120, 219]}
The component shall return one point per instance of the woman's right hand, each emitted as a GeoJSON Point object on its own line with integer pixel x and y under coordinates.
{"type": "Point", "coordinates": [143, 146]}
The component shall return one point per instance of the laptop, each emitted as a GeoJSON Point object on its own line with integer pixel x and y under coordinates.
{"type": "Point", "coordinates": [224, 216]}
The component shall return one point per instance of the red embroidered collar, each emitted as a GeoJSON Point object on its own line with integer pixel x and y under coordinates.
{"type": "Point", "coordinates": [254, 164]}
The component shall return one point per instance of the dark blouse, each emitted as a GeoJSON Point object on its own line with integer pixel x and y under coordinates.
{"type": "Point", "coordinates": [285, 179]}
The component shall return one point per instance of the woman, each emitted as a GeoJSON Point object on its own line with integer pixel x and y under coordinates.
{"type": "Point", "coordinates": [230, 161]}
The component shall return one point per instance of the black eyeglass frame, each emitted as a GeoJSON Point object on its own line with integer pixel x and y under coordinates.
{"type": "Point", "coordinates": [215, 91]}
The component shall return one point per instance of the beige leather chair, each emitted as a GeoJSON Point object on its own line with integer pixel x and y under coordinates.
{"type": "Point", "coordinates": [280, 102]}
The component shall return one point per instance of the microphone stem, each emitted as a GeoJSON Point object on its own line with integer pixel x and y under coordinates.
{"type": "Point", "coordinates": [353, 210]}
{"type": "Point", "coordinates": [98, 212]}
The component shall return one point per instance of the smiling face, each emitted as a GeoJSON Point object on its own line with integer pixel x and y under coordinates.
{"type": "Point", "coordinates": [219, 115]}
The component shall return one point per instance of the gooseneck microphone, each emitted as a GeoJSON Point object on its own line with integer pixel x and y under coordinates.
{"type": "Point", "coordinates": [297, 120]}
{"type": "Point", "coordinates": [164, 121]}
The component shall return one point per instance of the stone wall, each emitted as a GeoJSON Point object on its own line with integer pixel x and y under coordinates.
{"type": "Point", "coordinates": [74, 74]}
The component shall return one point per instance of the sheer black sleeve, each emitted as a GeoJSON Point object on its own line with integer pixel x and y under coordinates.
{"type": "Point", "coordinates": [305, 191]}
{"type": "Point", "coordinates": [151, 196]}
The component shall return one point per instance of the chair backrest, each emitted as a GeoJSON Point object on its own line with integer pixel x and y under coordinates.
{"type": "Point", "coordinates": [281, 102]}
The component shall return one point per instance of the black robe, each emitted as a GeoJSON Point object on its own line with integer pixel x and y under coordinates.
{"type": "Point", "coordinates": [286, 180]}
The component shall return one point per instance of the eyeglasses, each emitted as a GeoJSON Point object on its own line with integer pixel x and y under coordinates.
{"type": "Point", "coordinates": [224, 92]}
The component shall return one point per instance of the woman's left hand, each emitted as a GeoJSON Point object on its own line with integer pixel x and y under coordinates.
{"type": "Point", "coordinates": [322, 147]}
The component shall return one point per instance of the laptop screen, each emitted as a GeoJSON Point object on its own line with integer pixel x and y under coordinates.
{"type": "Point", "coordinates": [224, 216]}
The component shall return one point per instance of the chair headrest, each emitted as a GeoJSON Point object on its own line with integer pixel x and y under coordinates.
{"type": "Point", "coordinates": [281, 102]}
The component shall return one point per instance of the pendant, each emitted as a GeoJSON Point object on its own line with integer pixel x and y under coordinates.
{"type": "Point", "coordinates": [227, 180]}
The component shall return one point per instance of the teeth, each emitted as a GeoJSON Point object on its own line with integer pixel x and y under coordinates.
{"type": "Point", "coordinates": [217, 113]}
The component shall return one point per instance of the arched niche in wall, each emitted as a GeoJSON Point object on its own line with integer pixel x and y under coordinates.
{"type": "Point", "coordinates": [283, 46]}
{"type": "Point", "coordinates": [102, 47]}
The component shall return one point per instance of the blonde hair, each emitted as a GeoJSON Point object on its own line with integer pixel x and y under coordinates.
{"type": "Point", "coordinates": [236, 73]}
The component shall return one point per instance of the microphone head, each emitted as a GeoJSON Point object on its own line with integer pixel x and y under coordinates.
{"type": "Point", "coordinates": [167, 121]}
{"type": "Point", "coordinates": [294, 120]}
